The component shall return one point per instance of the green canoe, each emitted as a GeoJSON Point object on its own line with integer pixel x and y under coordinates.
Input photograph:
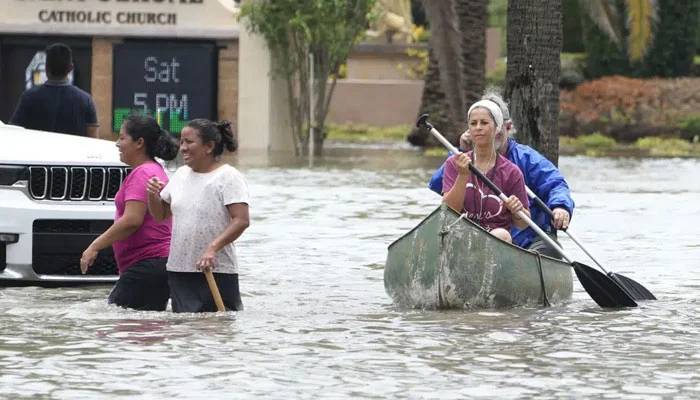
{"type": "Point", "coordinates": [448, 262]}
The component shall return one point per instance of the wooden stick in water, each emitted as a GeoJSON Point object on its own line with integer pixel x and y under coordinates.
{"type": "Point", "coordinates": [214, 290]}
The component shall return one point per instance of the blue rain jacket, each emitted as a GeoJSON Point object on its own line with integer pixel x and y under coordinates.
{"type": "Point", "coordinates": [542, 177]}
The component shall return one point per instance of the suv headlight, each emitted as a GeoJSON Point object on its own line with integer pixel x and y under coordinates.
{"type": "Point", "coordinates": [10, 174]}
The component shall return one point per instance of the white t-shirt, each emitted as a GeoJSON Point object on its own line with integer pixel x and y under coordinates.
{"type": "Point", "coordinates": [198, 203]}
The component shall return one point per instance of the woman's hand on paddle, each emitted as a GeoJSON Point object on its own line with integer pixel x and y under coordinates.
{"type": "Point", "coordinates": [462, 162]}
{"type": "Point", "coordinates": [154, 186]}
{"type": "Point", "coordinates": [87, 259]}
{"type": "Point", "coordinates": [207, 261]}
{"type": "Point", "coordinates": [561, 218]}
{"type": "Point", "coordinates": [514, 205]}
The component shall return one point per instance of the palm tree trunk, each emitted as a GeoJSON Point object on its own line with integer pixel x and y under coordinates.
{"type": "Point", "coordinates": [445, 42]}
{"type": "Point", "coordinates": [532, 78]}
{"type": "Point", "coordinates": [433, 103]}
{"type": "Point", "coordinates": [455, 76]}
{"type": "Point", "coordinates": [472, 16]}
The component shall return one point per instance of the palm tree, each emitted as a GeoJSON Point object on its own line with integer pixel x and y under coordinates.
{"type": "Point", "coordinates": [534, 38]}
{"type": "Point", "coordinates": [634, 17]}
{"type": "Point", "coordinates": [641, 37]}
{"type": "Point", "coordinates": [456, 64]}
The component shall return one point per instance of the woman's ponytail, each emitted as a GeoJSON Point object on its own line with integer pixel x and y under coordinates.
{"type": "Point", "coordinates": [228, 140]}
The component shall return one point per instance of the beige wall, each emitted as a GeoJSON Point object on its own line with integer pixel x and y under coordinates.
{"type": "Point", "coordinates": [375, 102]}
{"type": "Point", "coordinates": [383, 61]}
{"type": "Point", "coordinates": [379, 92]}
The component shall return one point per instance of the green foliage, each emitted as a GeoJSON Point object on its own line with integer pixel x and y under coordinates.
{"type": "Point", "coordinates": [596, 141]}
{"type": "Point", "coordinates": [292, 30]}
{"type": "Point", "coordinates": [329, 27]}
{"type": "Point", "coordinates": [673, 45]}
{"type": "Point", "coordinates": [604, 57]}
{"type": "Point", "coordinates": [572, 29]}
{"type": "Point", "coordinates": [572, 70]}
{"type": "Point", "coordinates": [497, 77]}
{"type": "Point", "coordinates": [672, 147]}
{"type": "Point", "coordinates": [367, 134]}
{"type": "Point", "coordinates": [690, 127]}
{"type": "Point", "coordinates": [418, 69]}
{"type": "Point", "coordinates": [498, 14]}
{"type": "Point", "coordinates": [498, 18]}
{"type": "Point", "coordinates": [672, 52]}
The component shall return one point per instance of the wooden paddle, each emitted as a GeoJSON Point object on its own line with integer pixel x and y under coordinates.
{"type": "Point", "coordinates": [606, 292]}
{"type": "Point", "coordinates": [214, 289]}
{"type": "Point", "coordinates": [632, 287]}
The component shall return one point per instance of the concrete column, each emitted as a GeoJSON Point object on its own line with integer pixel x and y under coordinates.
{"type": "Point", "coordinates": [228, 81]}
{"type": "Point", "coordinates": [263, 111]}
{"type": "Point", "coordinates": [101, 84]}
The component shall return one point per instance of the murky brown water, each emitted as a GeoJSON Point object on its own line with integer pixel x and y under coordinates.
{"type": "Point", "coordinates": [318, 323]}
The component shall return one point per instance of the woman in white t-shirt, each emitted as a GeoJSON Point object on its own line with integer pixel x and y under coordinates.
{"type": "Point", "coordinates": [208, 201]}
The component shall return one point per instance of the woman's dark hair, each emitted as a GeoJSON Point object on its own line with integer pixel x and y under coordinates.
{"type": "Point", "coordinates": [159, 143]}
{"type": "Point", "coordinates": [220, 133]}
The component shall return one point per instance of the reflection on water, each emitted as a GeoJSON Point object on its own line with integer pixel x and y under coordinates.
{"type": "Point", "coordinates": [318, 323]}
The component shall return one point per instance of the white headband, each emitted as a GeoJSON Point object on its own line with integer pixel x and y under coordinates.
{"type": "Point", "coordinates": [494, 110]}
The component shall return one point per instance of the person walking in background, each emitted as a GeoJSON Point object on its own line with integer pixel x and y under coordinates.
{"type": "Point", "coordinates": [465, 193]}
{"type": "Point", "coordinates": [208, 201]}
{"type": "Point", "coordinates": [544, 179]}
{"type": "Point", "coordinates": [140, 243]}
{"type": "Point", "coordinates": [57, 105]}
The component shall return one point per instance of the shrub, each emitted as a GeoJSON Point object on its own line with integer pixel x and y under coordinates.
{"type": "Point", "coordinates": [627, 108]}
{"type": "Point", "coordinates": [596, 141]}
{"type": "Point", "coordinates": [666, 147]}
{"type": "Point", "coordinates": [690, 127]}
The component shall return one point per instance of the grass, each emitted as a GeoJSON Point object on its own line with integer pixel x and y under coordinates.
{"type": "Point", "coordinates": [367, 134]}
{"type": "Point", "coordinates": [597, 145]}
{"type": "Point", "coordinates": [594, 145]}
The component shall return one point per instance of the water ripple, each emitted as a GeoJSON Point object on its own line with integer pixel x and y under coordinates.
{"type": "Point", "coordinates": [318, 323]}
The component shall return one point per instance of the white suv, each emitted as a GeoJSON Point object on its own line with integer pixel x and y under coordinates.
{"type": "Point", "coordinates": [56, 195]}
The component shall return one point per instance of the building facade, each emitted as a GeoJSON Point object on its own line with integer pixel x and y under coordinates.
{"type": "Point", "coordinates": [173, 59]}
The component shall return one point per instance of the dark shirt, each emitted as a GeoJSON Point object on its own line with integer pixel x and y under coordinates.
{"type": "Point", "coordinates": [55, 106]}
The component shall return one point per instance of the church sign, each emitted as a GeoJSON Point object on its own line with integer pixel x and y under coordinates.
{"type": "Point", "coordinates": [214, 19]}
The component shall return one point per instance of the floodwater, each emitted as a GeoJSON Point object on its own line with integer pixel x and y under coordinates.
{"type": "Point", "coordinates": [318, 323]}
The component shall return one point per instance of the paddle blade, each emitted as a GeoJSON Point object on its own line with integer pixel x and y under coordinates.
{"type": "Point", "coordinates": [634, 288]}
{"type": "Point", "coordinates": [602, 289]}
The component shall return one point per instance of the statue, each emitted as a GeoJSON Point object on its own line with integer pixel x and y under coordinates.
{"type": "Point", "coordinates": [394, 22]}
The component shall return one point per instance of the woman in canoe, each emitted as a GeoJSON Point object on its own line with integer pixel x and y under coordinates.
{"type": "Point", "coordinates": [465, 193]}
{"type": "Point", "coordinates": [543, 177]}
{"type": "Point", "coordinates": [208, 200]}
{"type": "Point", "coordinates": [140, 243]}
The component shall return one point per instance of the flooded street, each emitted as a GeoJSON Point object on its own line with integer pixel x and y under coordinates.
{"type": "Point", "coordinates": [318, 323]}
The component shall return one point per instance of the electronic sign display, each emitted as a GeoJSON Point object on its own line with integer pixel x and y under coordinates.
{"type": "Point", "coordinates": [173, 83]}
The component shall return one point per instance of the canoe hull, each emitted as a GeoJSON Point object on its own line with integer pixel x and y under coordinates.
{"type": "Point", "coordinates": [447, 262]}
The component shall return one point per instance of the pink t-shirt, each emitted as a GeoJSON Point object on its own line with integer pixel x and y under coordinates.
{"type": "Point", "coordinates": [481, 204]}
{"type": "Point", "coordinates": [152, 239]}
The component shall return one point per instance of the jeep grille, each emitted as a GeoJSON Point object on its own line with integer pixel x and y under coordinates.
{"type": "Point", "coordinates": [75, 183]}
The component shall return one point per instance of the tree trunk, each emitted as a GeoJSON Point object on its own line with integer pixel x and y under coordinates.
{"type": "Point", "coordinates": [472, 17]}
{"type": "Point", "coordinates": [433, 103]}
{"type": "Point", "coordinates": [532, 78]}
{"type": "Point", "coordinates": [445, 44]}
{"type": "Point", "coordinates": [455, 76]}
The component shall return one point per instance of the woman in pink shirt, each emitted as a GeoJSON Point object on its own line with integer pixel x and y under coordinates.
{"type": "Point", "coordinates": [465, 193]}
{"type": "Point", "coordinates": [140, 243]}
